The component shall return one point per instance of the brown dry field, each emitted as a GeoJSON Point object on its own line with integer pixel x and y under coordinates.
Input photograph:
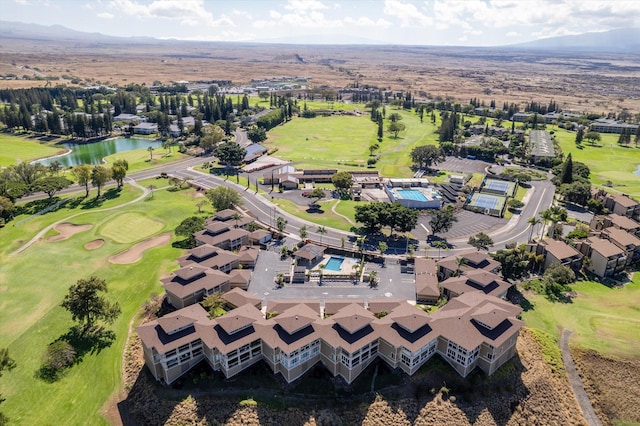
{"type": "Point", "coordinates": [581, 82]}
{"type": "Point", "coordinates": [525, 392]}
{"type": "Point", "coordinates": [613, 385]}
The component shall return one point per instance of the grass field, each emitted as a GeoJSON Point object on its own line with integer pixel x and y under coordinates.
{"type": "Point", "coordinates": [138, 159]}
{"type": "Point", "coordinates": [604, 319]}
{"type": "Point", "coordinates": [608, 161]}
{"type": "Point", "coordinates": [130, 227]}
{"type": "Point", "coordinates": [342, 142]}
{"type": "Point", "coordinates": [327, 218]}
{"type": "Point", "coordinates": [15, 148]}
{"type": "Point", "coordinates": [34, 283]}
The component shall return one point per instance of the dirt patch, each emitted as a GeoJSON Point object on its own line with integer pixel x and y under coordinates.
{"type": "Point", "coordinates": [67, 230]}
{"type": "Point", "coordinates": [613, 385]}
{"type": "Point", "coordinates": [199, 195]}
{"type": "Point", "coordinates": [95, 244]}
{"type": "Point", "coordinates": [134, 254]}
{"type": "Point", "coordinates": [525, 391]}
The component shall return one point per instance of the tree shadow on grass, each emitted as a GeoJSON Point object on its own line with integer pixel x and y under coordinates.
{"type": "Point", "coordinates": [83, 341]}
{"type": "Point", "coordinates": [110, 194]}
{"type": "Point", "coordinates": [515, 296]}
{"type": "Point", "coordinates": [187, 243]}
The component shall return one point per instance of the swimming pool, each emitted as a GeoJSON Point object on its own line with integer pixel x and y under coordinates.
{"type": "Point", "coordinates": [334, 263]}
{"type": "Point", "coordinates": [411, 194]}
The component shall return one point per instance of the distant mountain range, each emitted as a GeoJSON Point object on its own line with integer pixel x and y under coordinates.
{"type": "Point", "coordinates": [626, 39]}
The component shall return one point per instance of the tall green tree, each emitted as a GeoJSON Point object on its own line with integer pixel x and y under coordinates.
{"type": "Point", "coordinates": [82, 174]}
{"type": "Point", "coordinates": [99, 177]}
{"type": "Point", "coordinates": [87, 306]}
{"type": "Point", "coordinates": [442, 219]}
{"type": "Point", "coordinates": [222, 197]}
{"type": "Point", "coordinates": [579, 136]}
{"type": "Point", "coordinates": [342, 181]}
{"type": "Point", "coordinates": [567, 170]}
{"type": "Point", "coordinates": [119, 171]}
{"type": "Point", "coordinates": [303, 232]}
{"type": "Point", "coordinates": [281, 224]}
{"type": "Point", "coordinates": [396, 127]}
{"type": "Point", "coordinates": [481, 241]}
{"type": "Point", "coordinates": [188, 227]}
{"type": "Point", "coordinates": [257, 134]}
{"type": "Point", "coordinates": [230, 153]}
{"type": "Point", "coordinates": [593, 137]}
{"type": "Point", "coordinates": [426, 155]}
{"type": "Point", "coordinates": [51, 185]}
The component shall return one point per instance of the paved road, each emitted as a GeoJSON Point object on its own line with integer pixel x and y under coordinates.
{"type": "Point", "coordinates": [576, 382]}
{"type": "Point", "coordinates": [517, 229]}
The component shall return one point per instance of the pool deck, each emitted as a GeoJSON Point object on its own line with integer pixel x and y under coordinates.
{"type": "Point", "coordinates": [345, 268]}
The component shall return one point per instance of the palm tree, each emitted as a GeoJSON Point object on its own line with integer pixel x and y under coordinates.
{"type": "Point", "coordinates": [460, 261]}
{"type": "Point", "coordinates": [322, 231]}
{"type": "Point", "coordinates": [303, 232]}
{"type": "Point", "coordinates": [150, 149]}
{"type": "Point", "coordinates": [151, 189]}
{"type": "Point", "coordinates": [546, 216]}
{"type": "Point", "coordinates": [236, 217]}
{"type": "Point", "coordinates": [533, 221]}
{"type": "Point", "coordinates": [440, 245]}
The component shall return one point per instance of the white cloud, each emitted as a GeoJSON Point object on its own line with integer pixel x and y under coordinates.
{"type": "Point", "coordinates": [407, 13]}
{"type": "Point", "coordinates": [304, 5]}
{"type": "Point", "coordinates": [22, 2]}
{"type": "Point", "coordinates": [365, 21]}
{"type": "Point", "coordinates": [106, 15]}
{"type": "Point", "coordinates": [242, 13]}
{"type": "Point", "coordinates": [184, 11]}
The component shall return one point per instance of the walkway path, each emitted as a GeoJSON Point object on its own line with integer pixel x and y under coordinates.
{"type": "Point", "coordinates": [576, 382]}
{"type": "Point", "coordinates": [42, 233]}
{"type": "Point", "coordinates": [333, 209]}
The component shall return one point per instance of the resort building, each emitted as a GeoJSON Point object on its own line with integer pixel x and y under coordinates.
{"type": "Point", "coordinates": [474, 280]}
{"type": "Point", "coordinates": [541, 146]}
{"type": "Point", "coordinates": [192, 283]}
{"type": "Point", "coordinates": [414, 193]}
{"type": "Point", "coordinates": [472, 330]}
{"type": "Point", "coordinates": [607, 259]}
{"type": "Point", "coordinates": [461, 263]}
{"type": "Point", "coordinates": [616, 221]}
{"type": "Point", "coordinates": [426, 277]}
{"type": "Point", "coordinates": [606, 125]}
{"type": "Point", "coordinates": [556, 251]}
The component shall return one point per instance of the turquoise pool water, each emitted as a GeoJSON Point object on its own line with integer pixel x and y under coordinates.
{"type": "Point", "coordinates": [411, 194]}
{"type": "Point", "coordinates": [334, 263]}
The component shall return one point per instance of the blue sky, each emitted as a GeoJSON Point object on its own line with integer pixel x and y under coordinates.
{"type": "Point", "coordinates": [417, 22]}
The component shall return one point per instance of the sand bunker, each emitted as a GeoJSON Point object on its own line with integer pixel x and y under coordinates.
{"type": "Point", "coordinates": [133, 254]}
{"type": "Point", "coordinates": [95, 244]}
{"type": "Point", "coordinates": [67, 230]}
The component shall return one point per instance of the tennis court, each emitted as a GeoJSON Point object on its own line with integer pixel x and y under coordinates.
{"type": "Point", "coordinates": [501, 187]}
{"type": "Point", "coordinates": [489, 204]}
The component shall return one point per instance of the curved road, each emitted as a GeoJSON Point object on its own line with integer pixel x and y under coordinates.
{"type": "Point", "coordinates": [540, 197]}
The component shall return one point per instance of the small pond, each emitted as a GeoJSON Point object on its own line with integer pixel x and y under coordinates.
{"type": "Point", "coordinates": [94, 152]}
{"type": "Point", "coordinates": [637, 172]}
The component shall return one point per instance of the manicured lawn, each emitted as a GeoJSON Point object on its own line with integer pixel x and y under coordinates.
{"type": "Point", "coordinates": [327, 218]}
{"type": "Point", "coordinates": [608, 161]}
{"type": "Point", "coordinates": [342, 142]}
{"type": "Point", "coordinates": [601, 318]}
{"type": "Point", "coordinates": [16, 148]}
{"type": "Point", "coordinates": [34, 283]}
{"type": "Point", "coordinates": [130, 227]}
{"type": "Point", "coordinates": [138, 159]}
